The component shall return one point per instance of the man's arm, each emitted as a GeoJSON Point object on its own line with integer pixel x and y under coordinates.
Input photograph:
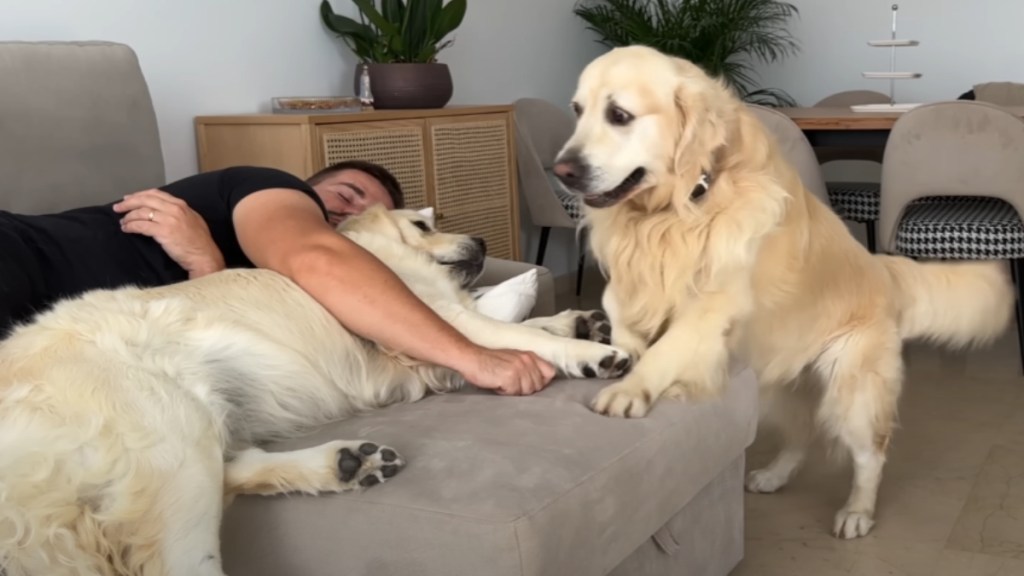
{"type": "Point", "coordinates": [282, 230]}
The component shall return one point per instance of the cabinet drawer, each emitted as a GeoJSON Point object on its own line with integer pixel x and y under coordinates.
{"type": "Point", "coordinates": [472, 170]}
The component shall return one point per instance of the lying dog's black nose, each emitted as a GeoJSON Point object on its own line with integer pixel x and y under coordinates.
{"type": "Point", "coordinates": [571, 171]}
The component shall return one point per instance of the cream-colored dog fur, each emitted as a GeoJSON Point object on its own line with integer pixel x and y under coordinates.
{"type": "Point", "coordinates": [756, 268]}
{"type": "Point", "coordinates": [119, 408]}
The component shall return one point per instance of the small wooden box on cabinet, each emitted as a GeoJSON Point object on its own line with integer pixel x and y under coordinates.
{"type": "Point", "coordinates": [460, 159]}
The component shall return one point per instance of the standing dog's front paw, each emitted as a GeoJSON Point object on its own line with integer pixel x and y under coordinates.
{"type": "Point", "coordinates": [624, 399]}
{"type": "Point", "coordinates": [366, 464]}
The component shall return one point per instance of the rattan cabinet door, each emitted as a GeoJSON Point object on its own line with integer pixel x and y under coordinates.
{"type": "Point", "coordinates": [473, 185]}
{"type": "Point", "coordinates": [398, 145]}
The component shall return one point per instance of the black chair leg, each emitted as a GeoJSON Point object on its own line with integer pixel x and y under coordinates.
{"type": "Point", "coordinates": [583, 255]}
{"type": "Point", "coordinates": [544, 233]}
{"type": "Point", "coordinates": [870, 225]}
{"type": "Point", "coordinates": [1017, 267]}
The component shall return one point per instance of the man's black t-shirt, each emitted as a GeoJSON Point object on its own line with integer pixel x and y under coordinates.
{"type": "Point", "coordinates": [85, 248]}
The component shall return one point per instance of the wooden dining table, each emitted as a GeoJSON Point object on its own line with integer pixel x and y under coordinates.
{"type": "Point", "coordinates": [841, 127]}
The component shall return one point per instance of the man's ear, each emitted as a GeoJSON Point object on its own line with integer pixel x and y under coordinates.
{"type": "Point", "coordinates": [427, 213]}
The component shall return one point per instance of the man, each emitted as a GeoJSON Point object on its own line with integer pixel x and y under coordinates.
{"type": "Point", "coordinates": [245, 217]}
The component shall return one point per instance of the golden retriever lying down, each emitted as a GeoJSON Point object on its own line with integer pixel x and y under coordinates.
{"type": "Point", "coordinates": [119, 408]}
{"type": "Point", "coordinates": [713, 248]}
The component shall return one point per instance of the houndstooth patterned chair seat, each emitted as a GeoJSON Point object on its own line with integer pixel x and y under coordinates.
{"type": "Point", "coordinates": [571, 204]}
{"type": "Point", "coordinates": [960, 228]}
{"type": "Point", "coordinates": [856, 201]}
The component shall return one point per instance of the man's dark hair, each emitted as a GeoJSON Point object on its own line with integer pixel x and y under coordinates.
{"type": "Point", "coordinates": [378, 172]}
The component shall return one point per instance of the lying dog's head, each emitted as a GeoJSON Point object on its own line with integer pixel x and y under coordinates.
{"type": "Point", "coordinates": [462, 255]}
{"type": "Point", "coordinates": [644, 119]}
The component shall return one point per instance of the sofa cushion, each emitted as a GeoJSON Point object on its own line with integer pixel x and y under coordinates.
{"type": "Point", "coordinates": [77, 126]}
{"type": "Point", "coordinates": [523, 486]}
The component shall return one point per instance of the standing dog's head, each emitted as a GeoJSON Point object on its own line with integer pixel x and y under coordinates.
{"type": "Point", "coordinates": [645, 119]}
{"type": "Point", "coordinates": [462, 255]}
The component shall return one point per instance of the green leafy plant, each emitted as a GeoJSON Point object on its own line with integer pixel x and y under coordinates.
{"type": "Point", "coordinates": [724, 37]}
{"type": "Point", "coordinates": [398, 31]}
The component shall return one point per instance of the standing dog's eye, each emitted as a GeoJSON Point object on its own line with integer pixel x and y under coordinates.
{"type": "Point", "coordinates": [421, 225]}
{"type": "Point", "coordinates": [618, 117]}
{"type": "Point", "coordinates": [576, 109]}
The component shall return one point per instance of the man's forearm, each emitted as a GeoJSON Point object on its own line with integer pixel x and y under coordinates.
{"type": "Point", "coordinates": [373, 302]}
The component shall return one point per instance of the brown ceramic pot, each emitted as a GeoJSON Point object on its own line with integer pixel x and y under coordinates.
{"type": "Point", "coordinates": [409, 85]}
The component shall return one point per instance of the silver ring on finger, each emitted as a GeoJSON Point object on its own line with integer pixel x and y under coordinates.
{"type": "Point", "coordinates": [151, 215]}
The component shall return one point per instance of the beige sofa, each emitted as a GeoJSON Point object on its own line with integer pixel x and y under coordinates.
{"type": "Point", "coordinates": [495, 485]}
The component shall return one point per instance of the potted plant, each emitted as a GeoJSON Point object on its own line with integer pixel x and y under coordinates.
{"type": "Point", "coordinates": [398, 44]}
{"type": "Point", "coordinates": [722, 36]}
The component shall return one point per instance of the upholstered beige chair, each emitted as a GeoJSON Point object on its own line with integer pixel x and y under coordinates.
{"type": "Point", "coordinates": [953, 186]}
{"type": "Point", "coordinates": [541, 130]}
{"type": "Point", "coordinates": [795, 148]}
{"type": "Point", "coordinates": [856, 201]}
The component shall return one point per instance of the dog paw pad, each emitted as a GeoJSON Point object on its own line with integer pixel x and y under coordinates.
{"type": "Point", "coordinates": [367, 464]}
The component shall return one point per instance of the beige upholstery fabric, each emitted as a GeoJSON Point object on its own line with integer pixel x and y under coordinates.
{"type": "Point", "coordinates": [957, 148]}
{"type": "Point", "coordinates": [541, 130]}
{"type": "Point", "coordinates": [795, 147]}
{"type": "Point", "coordinates": [499, 486]}
{"type": "Point", "coordinates": [1000, 93]}
{"type": "Point", "coordinates": [845, 99]}
{"type": "Point", "coordinates": [77, 125]}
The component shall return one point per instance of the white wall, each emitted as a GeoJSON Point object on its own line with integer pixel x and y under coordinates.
{"type": "Point", "coordinates": [962, 43]}
{"type": "Point", "coordinates": [223, 57]}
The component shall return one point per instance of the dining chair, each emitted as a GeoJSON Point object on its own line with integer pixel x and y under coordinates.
{"type": "Point", "coordinates": [795, 148]}
{"type": "Point", "coordinates": [953, 187]}
{"type": "Point", "coordinates": [541, 130]}
{"type": "Point", "coordinates": [856, 201]}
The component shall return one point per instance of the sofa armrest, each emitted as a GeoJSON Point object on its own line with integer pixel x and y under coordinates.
{"type": "Point", "coordinates": [497, 270]}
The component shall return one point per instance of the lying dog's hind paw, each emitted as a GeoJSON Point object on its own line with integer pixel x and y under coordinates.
{"type": "Point", "coordinates": [366, 464]}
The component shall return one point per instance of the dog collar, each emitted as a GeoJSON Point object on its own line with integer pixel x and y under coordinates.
{"type": "Point", "coordinates": [702, 187]}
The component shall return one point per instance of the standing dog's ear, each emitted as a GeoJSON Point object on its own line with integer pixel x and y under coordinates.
{"type": "Point", "coordinates": [703, 130]}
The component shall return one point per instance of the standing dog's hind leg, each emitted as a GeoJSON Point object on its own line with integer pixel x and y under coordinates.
{"type": "Point", "coordinates": [863, 376]}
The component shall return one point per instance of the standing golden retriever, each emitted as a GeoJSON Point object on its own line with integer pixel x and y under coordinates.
{"type": "Point", "coordinates": [714, 248]}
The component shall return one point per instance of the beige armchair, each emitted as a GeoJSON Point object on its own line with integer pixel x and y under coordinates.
{"type": "Point", "coordinates": [953, 186]}
{"type": "Point", "coordinates": [856, 201]}
{"type": "Point", "coordinates": [541, 130]}
{"type": "Point", "coordinates": [795, 147]}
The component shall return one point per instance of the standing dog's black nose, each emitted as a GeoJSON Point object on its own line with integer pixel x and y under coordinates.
{"type": "Point", "coordinates": [481, 245]}
{"type": "Point", "coordinates": [571, 171]}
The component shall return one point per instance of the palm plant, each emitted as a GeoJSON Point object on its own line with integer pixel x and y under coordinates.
{"type": "Point", "coordinates": [724, 37]}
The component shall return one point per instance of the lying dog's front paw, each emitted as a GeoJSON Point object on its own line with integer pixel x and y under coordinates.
{"type": "Point", "coordinates": [593, 325]}
{"type": "Point", "coordinates": [594, 360]}
{"type": "Point", "coordinates": [622, 400]}
{"type": "Point", "coordinates": [366, 464]}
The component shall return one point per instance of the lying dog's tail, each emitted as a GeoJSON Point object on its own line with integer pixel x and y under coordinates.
{"type": "Point", "coordinates": [957, 304]}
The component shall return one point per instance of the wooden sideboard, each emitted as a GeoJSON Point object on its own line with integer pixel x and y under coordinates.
{"type": "Point", "coordinates": [460, 159]}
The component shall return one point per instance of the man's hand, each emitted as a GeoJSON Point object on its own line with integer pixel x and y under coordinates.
{"type": "Point", "coordinates": [180, 231]}
{"type": "Point", "coordinates": [508, 372]}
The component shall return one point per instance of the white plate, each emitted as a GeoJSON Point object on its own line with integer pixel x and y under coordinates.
{"type": "Point", "coordinates": [892, 74]}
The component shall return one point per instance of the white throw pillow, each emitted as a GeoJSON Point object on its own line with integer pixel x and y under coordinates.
{"type": "Point", "coordinates": [510, 301]}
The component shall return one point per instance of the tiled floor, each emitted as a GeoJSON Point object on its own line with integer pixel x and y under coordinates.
{"type": "Point", "coordinates": [952, 498]}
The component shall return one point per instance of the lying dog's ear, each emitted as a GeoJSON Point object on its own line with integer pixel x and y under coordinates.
{"type": "Point", "coordinates": [703, 129]}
